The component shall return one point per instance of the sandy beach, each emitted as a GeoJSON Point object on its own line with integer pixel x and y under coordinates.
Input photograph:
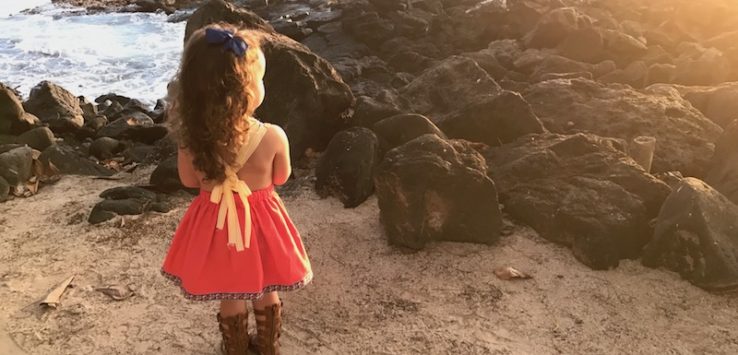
{"type": "Point", "coordinates": [367, 297]}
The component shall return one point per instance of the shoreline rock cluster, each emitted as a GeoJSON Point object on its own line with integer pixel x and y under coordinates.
{"type": "Point", "coordinates": [454, 112]}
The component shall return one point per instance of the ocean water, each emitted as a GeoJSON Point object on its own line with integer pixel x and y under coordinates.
{"type": "Point", "coordinates": [131, 54]}
{"type": "Point", "coordinates": [10, 7]}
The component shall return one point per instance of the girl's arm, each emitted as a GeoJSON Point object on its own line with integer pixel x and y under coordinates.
{"type": "Point", "coordinates": [186, 170]}
{"type": "Point", "coordinates": [281, 169]}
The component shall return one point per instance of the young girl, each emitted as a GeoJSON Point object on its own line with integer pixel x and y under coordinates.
{"type": "Point", "coordinates": [236, 241]}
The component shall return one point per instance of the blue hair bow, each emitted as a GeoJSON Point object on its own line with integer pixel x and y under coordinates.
{"type": "Point", "coordinates": [230, 42]}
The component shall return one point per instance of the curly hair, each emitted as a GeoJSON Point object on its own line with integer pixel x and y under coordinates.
{"type": "Point", "coordinates": [211, 99]}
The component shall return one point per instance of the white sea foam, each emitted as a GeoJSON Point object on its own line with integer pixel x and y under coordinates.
{"type": "Point", "coordinates": [131, 54]}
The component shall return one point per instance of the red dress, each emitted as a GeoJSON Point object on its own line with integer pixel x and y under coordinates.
{"type": "Point", "coordinates": [207, 266]}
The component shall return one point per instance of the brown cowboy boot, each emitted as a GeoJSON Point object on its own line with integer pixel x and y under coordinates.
{"type": "Point", "coordinates": [235, 334]}
{"type": "Point", "coordinates": [268, 330]}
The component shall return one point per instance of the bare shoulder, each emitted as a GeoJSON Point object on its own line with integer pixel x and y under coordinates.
{"type": "Point", "coordinates": [275, 131]}
{"type": "Point", "coordinates": [275, 134]}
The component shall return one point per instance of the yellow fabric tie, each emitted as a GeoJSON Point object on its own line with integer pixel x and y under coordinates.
{"type": "Point", "coordinates": [223, 195]}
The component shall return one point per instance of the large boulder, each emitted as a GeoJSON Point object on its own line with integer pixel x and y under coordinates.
{"type": "Point", "coordinates": [540, 64]}
{"type": "Point", "coordinates": [397, 130]}
{"type": "Point", "coordinates": [555, 26]}
{"type": "Point", "coordinates": [346, 169]}
{"type": "Point", "coordinates": [126, 200]}
{"type": "Point", "coordinates": [16, 165]}
{"type": "Point", "coordinates": [471, 25]}
{"type": "Point", "coordinates": [494, 120]}
{"type": "Point", "coordinates": [432, 189]}
{"type": "Point", "coordinates": [723, 171]}
{"type": "Point", "coordinates": [583, 44]}
{"type": "Point", "coordinates": [684, 136]}
{"type": "Point", "coordinates": [166, 176]}
{"type": "Point", "coordinates": [105, 148]}
{"type": "Point", "coordinates": [697, 236]}
{"type": "Point", "coordinates": [579, 190]}
{"type": "Point", "coordinates": [68, 161]}
{"type": "Point", "coordinates": [622, 47]}
{"type": "Point", "coordinates": [56, 107]}
{"type": "Point", "coordinates": [38, 138]}
{"type": "Point", "coordinates": [107, 209]}
{"type": "Point", "coordinates": [368, 27]}
{"type": "Point", "coordinates": [718, 103]}
{"type": "Point", "coordinates": [370, 111]}
{"type": "Point", "coordinates": [635, 75]}
{"type": "Point", "coordinates": [308, 98]}
{"type": "Point", "coordinates": [134, 126]}
{"type": "Point", "coordinates": [222, 11]}
{"type": "Point", "coordinates": [454, 84]}
{"type": "Point", "coordinates": [703, 67]}
{"type": "Point", "coordinates": [13, 118]}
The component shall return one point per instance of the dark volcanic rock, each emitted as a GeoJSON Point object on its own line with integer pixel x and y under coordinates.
{"type": "Point", "coordinates": [453, 84]}
{"type": "Point", "coordinates": [634, 75]}
{"type": "Point", "coordinates": [623, 48]}
{"type": "Point", "coordinates": [313, 101]}
{"type": "Point", "coordinates": [96, 123]}
{"type": "Point", "coordinates": [369, 28]}
{"type": "Point", "coordinates": [346, 169]}
{"type": "Point", "coordinates": [397, 130]}
{"type": "Point", "coordinates": [68, 161]}
{"type": "Point", "coordinates": [538, 64]}
{"type": "Point", "coordinates": [166, 176]}
{"type": "Point", "coordinates": [125, 200]}
{"type": "Point", "coordinates": [697, 236]}
{"type": "Point", "coordinates": [219, 10]}
{"type": "Point", "coordinates": [703, 67]}
{"type": "Point", "coordinates": [141, 153]}
{"type": "Point", "coordinates": [89, 110]}
{"type": "Point", "coordinates": [108, 209]}
{"type": "Point", "coordinates": [723, 172]}
{"type": "Point", "coordinates": [684, 136]}
{"type": "Point", "coordinates": [431, 189]}
{"type": "Point", "coordinates": [585, 45]}
{"type": "Point", "coordinates": [660, 73]}
{"type": "Point", "coordinates": [113, 110]}
{"type": "Point", "coordinates": [4, 189]}
{"type": "Point", "coordinates": [56, 107]}
{"type": "Point", "coordinates": [119, 99]}
{"type": "Point", "coordinates": [369, 111]}
{"type": "Point", "coordinates": [494, 120]}
{"type": "Point", "coordinates": [13, 118]}
{"type": "Point", "coordinates": [389, 5]}
{"type": "Point", "coordinates": [154, 6]}
{"type": "Point", "coordinates": [581, 191]}
{"type": "Point", "coordinates": [555, 26]}
{"type": "Point", "coordinates": [16, 165]}
{"type": "Point", "coordinates": [134, 105]}
{"type": "Point", "coordinates": [718, 103]}
{"type": "Point", "coordinates": [471, 26]}
{"type": "Point", "coordinates": [105, 148]}
{"type": "Point", "coordinates": [292, 29]}
{"type": "Point", "coordinates": [125, 192]}
{"type": "Point", "coordinates": [124, 126]}
{"type": "Point", "coordinates": [38, 138]}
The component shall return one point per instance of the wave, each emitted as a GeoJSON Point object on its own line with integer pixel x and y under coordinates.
{"type": "Point", "coordinates": [132, 54]}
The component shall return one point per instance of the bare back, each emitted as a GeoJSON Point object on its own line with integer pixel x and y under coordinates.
{"type": "Point", "coordinates": [268, 165]}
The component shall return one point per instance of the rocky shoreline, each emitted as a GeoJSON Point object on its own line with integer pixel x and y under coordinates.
{"type": "Point", "coordinates": [167, 6]}
{"type": "Point", "coordinates": [516, 127]}
{"type": "Point", "coordinates": [456, 112]}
